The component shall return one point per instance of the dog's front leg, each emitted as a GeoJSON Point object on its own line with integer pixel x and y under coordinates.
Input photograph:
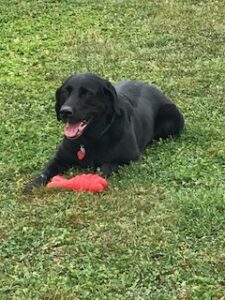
{"type": "Point", "coordinates": [54, 167]}
{"type": "Point", "coordinates": [108, 168]}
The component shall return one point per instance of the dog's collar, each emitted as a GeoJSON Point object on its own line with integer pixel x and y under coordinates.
{"type": "Point", "coordinates": [108, 126]}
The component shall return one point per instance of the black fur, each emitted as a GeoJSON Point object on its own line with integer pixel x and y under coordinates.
{"type": "Point", "coordinates": [125, 118]}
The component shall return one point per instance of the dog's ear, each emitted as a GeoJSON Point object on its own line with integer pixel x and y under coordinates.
{"type": "Point", "coordinates": [111, 92]}
{"type": "Point", "coordinates": [58, 96]}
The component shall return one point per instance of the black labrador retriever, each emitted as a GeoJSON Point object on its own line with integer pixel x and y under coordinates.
{"type": "Point", "coordinates": [107, 126]}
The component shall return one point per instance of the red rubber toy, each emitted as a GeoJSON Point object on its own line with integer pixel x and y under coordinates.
{"type": "Point", "coordinates": [85, 182]}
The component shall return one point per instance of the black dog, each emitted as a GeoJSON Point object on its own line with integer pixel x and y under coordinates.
{"type": "Point", "coordinates": [107, 126]}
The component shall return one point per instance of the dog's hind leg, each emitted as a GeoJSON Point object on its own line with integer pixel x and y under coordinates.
{"type": "Point", "coordinates": [168, 122]}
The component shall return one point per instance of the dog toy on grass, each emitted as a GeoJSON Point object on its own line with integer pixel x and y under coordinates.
{"type": "Point", "coordinates": [84, 182]}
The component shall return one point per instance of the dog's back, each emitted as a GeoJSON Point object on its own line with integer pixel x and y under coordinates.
{"type": "Point", "coordinates": [154, 115]}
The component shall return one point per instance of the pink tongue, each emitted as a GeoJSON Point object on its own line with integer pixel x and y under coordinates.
{"type": "Point", "coordinates": [72, 130]}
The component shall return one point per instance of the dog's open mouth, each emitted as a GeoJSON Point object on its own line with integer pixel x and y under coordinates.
{"type": "Point", "coordinates": [73, 131]}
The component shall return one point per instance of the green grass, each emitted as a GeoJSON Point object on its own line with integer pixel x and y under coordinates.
{"type": "Point", "coordinates": [158, 231]}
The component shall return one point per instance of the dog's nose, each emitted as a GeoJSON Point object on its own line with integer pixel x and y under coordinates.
{"type": "Point", "coordinates": [66, 111]}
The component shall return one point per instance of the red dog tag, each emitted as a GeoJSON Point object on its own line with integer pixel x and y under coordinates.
{"type": "Point", "coordinates": [81, 153]}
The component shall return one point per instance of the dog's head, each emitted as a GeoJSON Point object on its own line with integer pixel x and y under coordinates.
{"type": "Point", "coordinates": [82, 99]}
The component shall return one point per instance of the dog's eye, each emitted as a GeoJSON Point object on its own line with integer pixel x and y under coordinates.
{"type": "Point", "coordinates": [69, 89]}
{"type": "Point", "coordinates": [66, 91]}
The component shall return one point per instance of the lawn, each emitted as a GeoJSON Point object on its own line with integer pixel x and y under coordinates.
{"type": "Point", "coordinates": [158, 231]}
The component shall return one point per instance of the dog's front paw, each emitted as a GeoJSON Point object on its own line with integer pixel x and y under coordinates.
{"type": "Point", "coordinates": [107, 169]}
{"type": "Point", "coordinates": [41, 180]}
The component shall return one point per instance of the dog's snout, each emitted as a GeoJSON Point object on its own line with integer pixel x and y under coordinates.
{"type": "Point", "coordinates": [66, 111]}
